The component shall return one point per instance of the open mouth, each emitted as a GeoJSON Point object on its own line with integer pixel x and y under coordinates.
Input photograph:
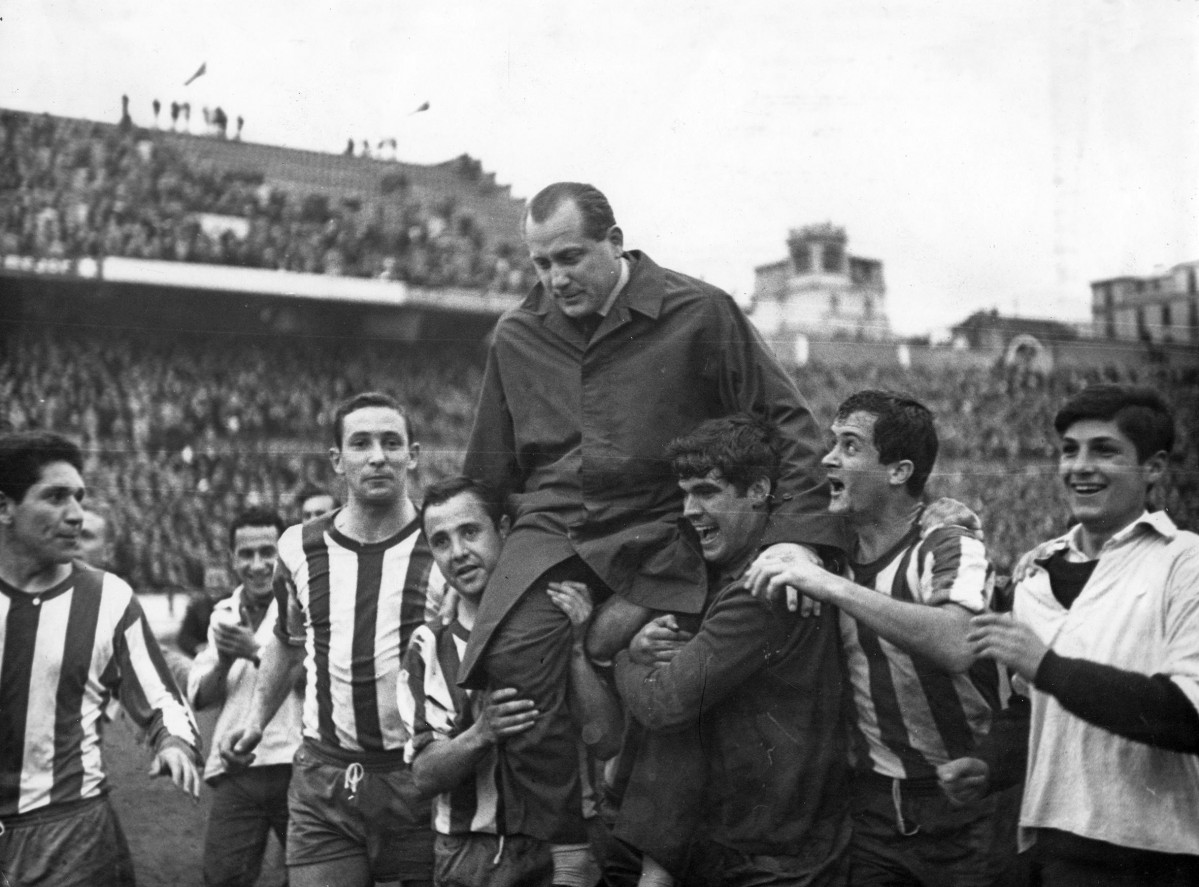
{"type": "Point", "coordinates": [836, 486]}
{"type": "Point", "coordinates": [1087, 489]}
{"type": "Point", "coordinates": [706, 532]}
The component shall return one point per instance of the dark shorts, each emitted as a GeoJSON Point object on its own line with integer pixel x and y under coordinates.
{"type": "Point", "coordinates": [341, 808]}
{"type": "Point", "coordinates": [923, 839]}
{"type": "Point", "coordinates": [713, 865]}
{"type": "Point", "coordinates": [481, 860]}
{"type": "Point", "coordinates": [79, 844]}
{"type": "Point", "coordinates": [245, 807]}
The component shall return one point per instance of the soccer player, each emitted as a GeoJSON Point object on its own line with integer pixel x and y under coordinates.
{"type": "Point", "coordinates": [457, 736]}
{"type": "Point", "coordinates": [70, 637]}
{"type": "Point", "coordinates": [905, 606]}
{"type": "Point", "coordinates": [757, 694]}
{"type": "Point", "coordinates": [249, 804]}
{"type": "Point", "coordinates": [359, 581]}
{"type": "Point", "coordinates": [608, 359]}
{"type": "Point", "coordinates": [1104, 636]}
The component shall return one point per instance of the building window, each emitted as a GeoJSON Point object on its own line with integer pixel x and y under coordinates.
{"type": "Point", "coordinates": [801, 257]}
{"type": "Point", "coordinates": [1167, 324]}
{"type": "Point", "coordinates": [1194, 318]}
{"type": "Point", "coordinates": [832, 257]}
{"type": "Point", "coordinates": [834, 304]}
{"type": "Point", "coordinates": [1142, 330]}
{"type": "Point", "coordinates": [1192, 288]}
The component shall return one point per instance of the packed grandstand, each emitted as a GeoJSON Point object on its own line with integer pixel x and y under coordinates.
{"type": "Point", "coordinates": [184, 427]}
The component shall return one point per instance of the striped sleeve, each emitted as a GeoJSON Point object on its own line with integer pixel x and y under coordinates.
{"type": "Point", "coordinates": [954, 570]}
{"type": "Point", "coordinates": [140, 673]}
{"type": "Point", "coordinates": [289, 623]}
{"type": "Point", "coordinates": [420, 666]}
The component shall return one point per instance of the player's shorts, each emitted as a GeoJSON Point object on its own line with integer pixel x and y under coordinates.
{"type": "Point", "coordinates": [480, 860]}
{"type": "Point", "coordinates": [358, 804]}
{"type": "Point", "coordinates": [75, 844]}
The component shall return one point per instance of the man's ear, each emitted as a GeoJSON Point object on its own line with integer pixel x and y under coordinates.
{"type": "Point", "coordinates": [1155, 467]}
{"type": "Point", "coordinates": [335, 460]}
{"type": "Point", "coordinates": [504, 526]}
{"type": "Point", "coordinates": [759, 491]}
{"type": "Point", "coordinates": [413, 455]}
{"type": "Point", "coordinates": [6, 509]}
{"type": "Point", "coordinates": [616, 238]}
{"type": "Point", "coordinates": [899, 472]}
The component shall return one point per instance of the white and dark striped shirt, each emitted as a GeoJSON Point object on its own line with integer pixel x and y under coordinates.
{"type": "Point", "coordinates": [64, 653]}
{"type": "Point", "coordinates": [354, 606]}
{"type": "Point", "coordinates": [912, 715]}
{"type": "Point", "coordinates": [435, 708]}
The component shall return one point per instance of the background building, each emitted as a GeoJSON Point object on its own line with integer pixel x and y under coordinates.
{"type": "Point", "coordinates": [1161, 308]}
{"type": "Point", "coordinates": [820, 292]}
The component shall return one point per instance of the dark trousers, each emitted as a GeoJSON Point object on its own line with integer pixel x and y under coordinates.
{"type": "Point", "coordinates": [1065, 860]}
{"type": "Point", "coordinates": [539, 769]}
{"type": "Point", "coordinates": [245, 807]}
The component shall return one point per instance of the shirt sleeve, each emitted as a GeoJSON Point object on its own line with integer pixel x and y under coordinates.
{"type": "Point", "coordinates": [1144, 708]}
{"type": "Point", "coordinates": [1182, 623]}
{"type": "Point", "coordinates": [751, 379]}
{"type": "Point", "coordinates": [423, 695]}
{"type": "Point", "coordinates": [954, 570]}
{"type": "Point", "coordinates": [733, 643]}
{"type": "Point", "coordinates": [205, 662]}
{"type": "Point", "coordinates": [289, 623]}
{"type": "Point", "coordinates": [147, 690]}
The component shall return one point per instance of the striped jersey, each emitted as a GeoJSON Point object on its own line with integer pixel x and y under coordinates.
{"type": "Point", "coordinates": [354, 606]}
{"type": "Point", "coordinates": [64, 653]}
{"type": "Point", "coordinates": [434, 707]}
{"type": "Point", "coordinates": [911, 715]}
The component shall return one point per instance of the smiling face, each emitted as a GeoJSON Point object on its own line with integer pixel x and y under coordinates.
{"type": "Point", "coordinates": [375, 455]}
{"type": "Point", "coordinates": [1106, 485]}
{"type": "Point", "coordinates": [255, 554]}
{"type": "Point", "coordinates": [465, 543]}
{"type": "Point", "coordinates": [858, 481]}
{"type": "Point", "coordinates": [580, 273]}
{"type": "Point", "coordinates": [729, 525]}
{"type": "Point", "coordinates": [44, 527]}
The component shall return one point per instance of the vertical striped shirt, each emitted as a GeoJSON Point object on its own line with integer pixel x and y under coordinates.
{"type": "Point", "coordinates": [354, 606]}
{"type": "Point", "coordinates": [435, 708]}
{"type": "Point", "coordinates": [64, 653]}
{"type": "Point", "coordinates": [911, 715]}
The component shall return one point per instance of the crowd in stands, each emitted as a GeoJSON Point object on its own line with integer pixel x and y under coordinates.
{"type": "Point", "coordinates": [71, 189]}
{"type": "Point", "coordinates": [184, 432]}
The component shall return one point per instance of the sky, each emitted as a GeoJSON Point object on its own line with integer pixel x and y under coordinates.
{"type": "Point", "coordinates": [991, 155]}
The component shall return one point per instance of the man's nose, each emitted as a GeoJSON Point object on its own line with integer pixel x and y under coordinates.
{"type": "Point", "coordinates": [558, 277]}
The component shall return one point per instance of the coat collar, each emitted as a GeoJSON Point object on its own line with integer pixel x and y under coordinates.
{"type": "Point", "coordinates": [643, 294]}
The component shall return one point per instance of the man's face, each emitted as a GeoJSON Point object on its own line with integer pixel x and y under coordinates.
{"type": "Point", "coordinates": [375, 455]}
{"type": "Point", "coordinates": [1106, 485]}
{"type": "Point", "coordinates": [465, 543]}
{"type": "Point", "coordinates": [255, 554]}
{"type": "Point", "coordinates": [94, 545]}
{"type": "Point", "coordinates": [44, 526]}
{"type": "Point", "coordinates": [315, 506]}
{"type": "Point", "coordinates": [580, 273]}
{"type": "Point", "coordinates": [728, 525]}
{"type": "Point", "coordinates": [858, 481]}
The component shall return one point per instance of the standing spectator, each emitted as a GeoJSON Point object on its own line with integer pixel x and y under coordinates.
{"type": "Point", "coordinates": [905, 604]}
{"type": "Point", "coordinates": [174, 115]}
{"type": "Point", "coordinates": [193, 629]}
{"type": "Point", "coordinates": [1105, 642]}
{"type": "Point", "coordinates": [71, 636]}
{"type": "Point", "coordinates": [315, 502]}
{"type": "Point", "coordinates": [607, 360]}
{"type": "Point", "coordinates": [247, 805]}
{"type": "Point", "coordinates": [96, 545]}
{"type": "Point", "coordinates": [241, 121]}
{"type": "Point", "coordinates": [359, 581]}
{"type": "Point", "coordinates": [157, 106]}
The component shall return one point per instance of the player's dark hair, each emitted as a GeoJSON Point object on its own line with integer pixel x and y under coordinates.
{"type": "Point", "coordinates": [444, 490]}
{"type": "Point", "coordinates": [1141, 414]}
{"type": "Point", "coordinates": [23, 455]}
{"type": "Point", "coordinates": [598, 218]}
{"type": "Point", "coordinates": [255, 517]}
{"type": "Point", "coordinates": [369, 399]}
{"type": "Point", "coordinates": [311, 492]}
{"type": "Point", "coordinates": [743, 448]}
{"type": "Point", "coordinates": [903, 429]}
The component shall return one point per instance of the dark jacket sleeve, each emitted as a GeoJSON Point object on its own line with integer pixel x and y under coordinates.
{"type": "Point", "coordinates": [491, 450]}
{"type": "Point", "coordinates": [1144, 708]}
{"type": "Point", "coordinates": [753, 380]}
{"type": "Point", "coordinates": [733, 643]}
{"type": "Point", "coordinates": [1005, 747]}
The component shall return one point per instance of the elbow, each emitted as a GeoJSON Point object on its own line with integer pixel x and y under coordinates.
{"type": "Point", "coordinates": [426, 785]}
{"type": "Point", "coordinates": [958, 660]}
